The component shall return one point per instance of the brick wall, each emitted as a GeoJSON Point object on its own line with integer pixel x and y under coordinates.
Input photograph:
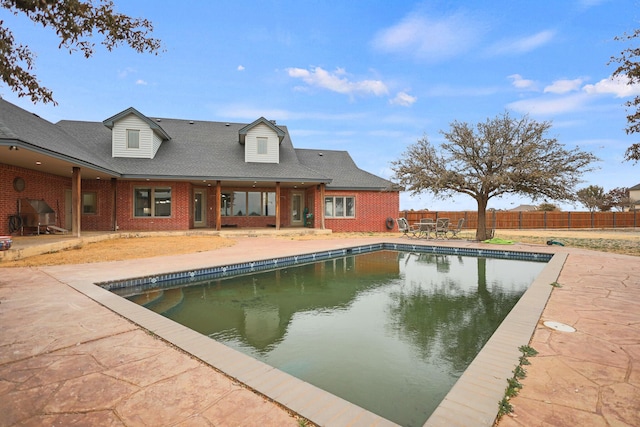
{"type": "Point", "coordinates": [102, 219]}
{"type": "Point", "coordinates": [372, 210]}
{"type": "Point", "coordinates": [38, 185]}
{"type": "Point", "coordinates": [180, 219]}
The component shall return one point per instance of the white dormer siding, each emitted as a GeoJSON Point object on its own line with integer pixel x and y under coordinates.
{"type": "Point", "coordinates": [256, 136]}
{"type": "Point", "coordinates": [149, 141]}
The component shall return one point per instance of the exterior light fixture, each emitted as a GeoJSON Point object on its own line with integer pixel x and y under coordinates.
{"type": "Point", "coordinates": [38, 163]}
{"type": "Point", "coordinates": [13, 148]}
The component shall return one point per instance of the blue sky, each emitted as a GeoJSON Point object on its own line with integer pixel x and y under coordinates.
{"type": "Point", "coordinates": [369, 77]}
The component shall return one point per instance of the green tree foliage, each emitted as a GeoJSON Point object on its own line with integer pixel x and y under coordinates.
{"type": "Point", "coordinates": [76, 23]}
{"type": "Point", "coordinates": [547, 207]}
{"type": "Point", "coordinates": [629, 68]}
{"type": "Point", "coordinates": [500, 156]}
{"type": "Point", "coordinates": [594, 198]}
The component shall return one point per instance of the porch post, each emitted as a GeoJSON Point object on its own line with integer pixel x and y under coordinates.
{"type": "Point", "coordinates": [114, 209]}
{"type": "Point", "coordinates": [277, 205]}
{"type": "Point", "coordinates": [322, 205]}
{"type": "Point", "coordinates": [76, 201]}
{"type": "Point", "coordinates": [218, 205]}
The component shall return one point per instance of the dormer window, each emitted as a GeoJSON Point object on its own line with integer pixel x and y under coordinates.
{"type": "Point", "coordinates": [134, 135]}
{"type": "Point", "coordinates": [133, 139]}
{"type": "Point", "coordinates": [263, 146]}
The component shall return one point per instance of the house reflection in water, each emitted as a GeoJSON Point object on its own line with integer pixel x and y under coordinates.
{"type": "Point", "coordinates": [256, 310]}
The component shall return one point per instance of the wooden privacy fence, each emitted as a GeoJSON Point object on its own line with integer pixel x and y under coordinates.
{"type": "Point", "coordinates": [535, 219]}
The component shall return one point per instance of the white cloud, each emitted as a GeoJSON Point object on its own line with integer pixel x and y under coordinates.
{"type": "Point", "coordinates": [427, 38]}
{"type": "Point", "coordinates": [240, 68]}
{"type": "Point", "coordinates": [448, 90]}
{"type": "Point", "coordinates": [547, 106]}
{"type": "Point", "coordinates": [521, 83]}
{"type": "Point", "coordinates": [403, 99]}
{"type": "Point", "coordinates": [524, 44]}
{"type": "Point", "coordinates": [125, 72]}
{"type": "Point", "coordinates": [141, 82]}
{"type": "Point", "coordinates": [564, 86]}
{"type": "Point", "coordinates": [618, 86]}
{"type": "Point", "coordinates": [337, 82]}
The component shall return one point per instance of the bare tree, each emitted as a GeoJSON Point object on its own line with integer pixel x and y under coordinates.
{"type": "Point", "coordinates": [75, 22]}
{"type": "Point", "coordinates": [619, 198]}
{"type": "Point", "coordinates": [503, 155]}
{"type": "Point", "coordinates": [629, 69]}
{"type": "Point", "coordinates": [594, 198]}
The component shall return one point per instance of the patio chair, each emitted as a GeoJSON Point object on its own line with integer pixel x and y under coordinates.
{"type": "Point", "coordinates": [455, 231]}
{"type": "Point", "coordinates": [442, 227]}
{"type": "Point", "coordinates": [406, 229]}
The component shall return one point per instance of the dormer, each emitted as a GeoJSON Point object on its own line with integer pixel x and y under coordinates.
{"type": "Point", "coordinates": [135, 135]}
{"type": "Point", "coordinates": [261, 140]}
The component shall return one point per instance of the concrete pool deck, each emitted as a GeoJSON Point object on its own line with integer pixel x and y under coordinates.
{"type": "Point", "coordinates": [65, 358]}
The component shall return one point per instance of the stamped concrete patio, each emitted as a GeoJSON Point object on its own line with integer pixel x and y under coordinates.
{"type": "Point", "coordinates": [65, 359]}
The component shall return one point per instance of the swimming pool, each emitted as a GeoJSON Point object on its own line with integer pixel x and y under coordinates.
{"type": "Point", "coordinates": [401, 313]}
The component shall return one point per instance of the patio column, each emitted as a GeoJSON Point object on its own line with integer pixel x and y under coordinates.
{"type": "Point", "coordinates": [277, 205]}
{"type": "Point", "coordinates": [322, 206]}
{"type": "Point", "coordinates": [114, 210]}
{"type": "Point", "coordinates": [76, 200]}
{"type": "Point", "coordinates": [218, 205]}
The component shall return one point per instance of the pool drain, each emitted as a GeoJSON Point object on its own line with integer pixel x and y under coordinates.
{"type": "Point", "coordinates": [559, 326]}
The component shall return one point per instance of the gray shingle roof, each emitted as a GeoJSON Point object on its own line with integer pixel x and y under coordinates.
{"type": "Point", "coordinates": [196, 150]}
{"type": "Point", "coordinates": [340, 166]}
{"type": "Point", "coordinates": [20, 125]}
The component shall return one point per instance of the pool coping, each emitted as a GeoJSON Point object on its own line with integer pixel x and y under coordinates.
{"type": "Point", "coordinates": [473, 400]}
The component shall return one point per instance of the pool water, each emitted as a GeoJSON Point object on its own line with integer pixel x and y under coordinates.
{"type": "Point", "coordinates": [388, 331]}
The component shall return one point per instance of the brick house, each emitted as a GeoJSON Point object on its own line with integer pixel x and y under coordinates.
{"type": "Point", "coordinates": [133, 172]}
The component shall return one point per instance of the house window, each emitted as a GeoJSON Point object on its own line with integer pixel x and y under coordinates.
{"type": "Point", "coordinates": [152, 202]}
{"type": "Point", "coordinates": [339, 207]}
{"type": "Point", "coordinates": [89, 203]}
{"type": "Point", "coordinates": [262, 145]}
{"type": "Point", "coordinates": [248, 203]}
{"type": "Point", "coordinates": [133, 138]}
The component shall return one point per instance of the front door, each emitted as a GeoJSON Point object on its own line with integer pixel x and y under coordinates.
{"type": "Point", "coordinates": [297, 208]}
{"type": "Point", "coordinates": [199, 208]}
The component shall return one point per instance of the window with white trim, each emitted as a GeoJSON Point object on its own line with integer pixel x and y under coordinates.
{"type": "Point", "coordinates": [133, 139]}
{"type": "Point", "coordinates": [340, 207]}
{"type": "Point", "coordinates": [263, 145]}
{"type": "Point", "coordinates": [152, 202]}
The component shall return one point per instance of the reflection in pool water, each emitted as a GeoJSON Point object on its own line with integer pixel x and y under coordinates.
{"type": "Point", "coordinates": [388, 331]}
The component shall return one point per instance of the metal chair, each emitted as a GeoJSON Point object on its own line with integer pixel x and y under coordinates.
{"type": "Point", "coordinates": [442, 227]}
{"type": "Point", "coordinates": [455, 231]}
{"type": "Point", "coordinates": [406, 229]}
